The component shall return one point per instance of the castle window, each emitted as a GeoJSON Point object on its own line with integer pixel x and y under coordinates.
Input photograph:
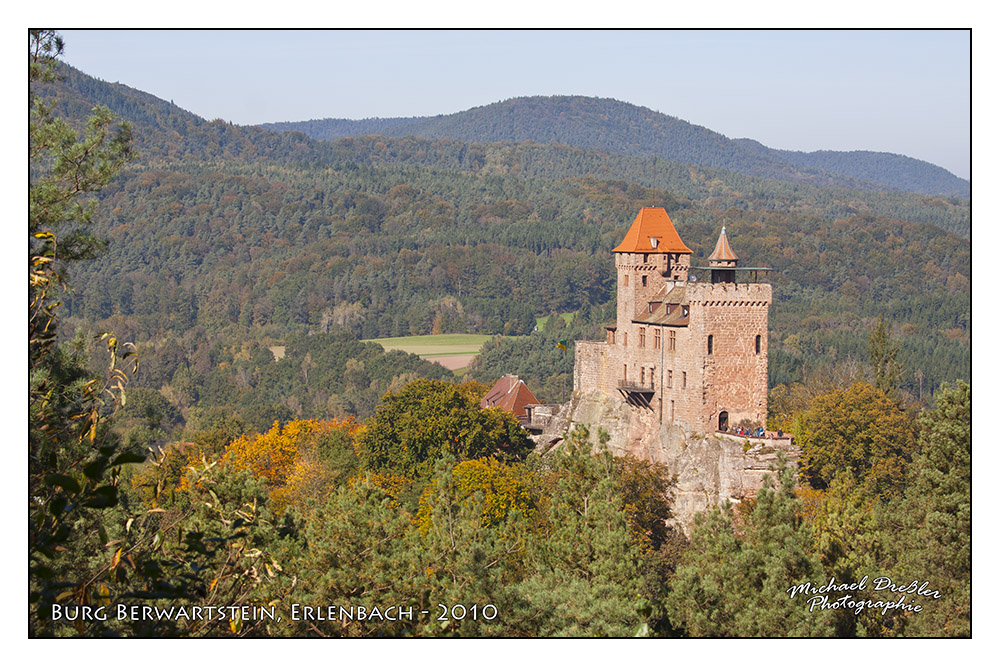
{"type": "Point", "coordinates": [645, 260]}
{"type": "Point", "coordinates": [626, 280]}
{"type": "Point", "coordinates": [625, 373]}
{"type": "Point", "coordinates": [673, 341]}
{"type": "Point", "coordinates": [644, 281]}
{"type": "Point", "coordinates": [670, 379]}
{"type": "Point", "coordinates": [642, 375]}
{"type": "Point", "coordinates": [684, 379]}
{"type": "Point", "coordinates": [611, 337]}
{"type": "Point", "coordinates": [656, 339]}
{"type": "Point", "coordinates": [652, 372]}
{"type": "Point", "coordinates": [684, 311]}
{"type": "Point", "coordinates": [710, 341]}
{"type": "Point", "coordinates": [625, 339]}
{"type": "Point", "coordinates": [757, 344]}
{"type": "Point", "coordinates": [642, 336]}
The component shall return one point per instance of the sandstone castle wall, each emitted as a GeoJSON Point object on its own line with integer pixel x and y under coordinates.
{"type": "Point", "coordinates": [684, 358]}
{"type": "Point", "coordinates": [691, 386]}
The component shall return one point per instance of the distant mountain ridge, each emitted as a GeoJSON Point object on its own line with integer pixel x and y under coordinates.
{"type": "Point", "coordinates": [166, 133]}
{"type": "Point", "coordinates": [224, 233]}
{"type": "Point", "coordinates": [619, 127]}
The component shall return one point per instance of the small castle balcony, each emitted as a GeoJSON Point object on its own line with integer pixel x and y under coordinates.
{"type": "Point", "coordinates": [537, 416]}
{"type": "Point", "coordinates": [636, 394]}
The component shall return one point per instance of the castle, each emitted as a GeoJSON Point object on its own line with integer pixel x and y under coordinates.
{"type": "Point", "coordinates": [690, 343]}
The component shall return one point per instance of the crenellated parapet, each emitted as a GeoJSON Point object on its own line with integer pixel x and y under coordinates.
{"type": "Point", "coordinates": [730, 294]}
{"type": "Point", "coordinates": [690, 352]}
{"type": "Point", "coordinates": [683, 365]}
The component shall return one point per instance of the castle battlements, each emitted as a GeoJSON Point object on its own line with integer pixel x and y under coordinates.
{"type": "Point", "coordinates": [684, 363]}
{"type": "Point", "coordinates": [729, 293]}
{"type": "Point", "coordinates": [693, 352]}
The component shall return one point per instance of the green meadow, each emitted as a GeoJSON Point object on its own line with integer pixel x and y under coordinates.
{"type": "Point", "coordinates": [434, 346]}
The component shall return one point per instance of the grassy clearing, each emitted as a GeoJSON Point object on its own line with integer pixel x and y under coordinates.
{"type": "Point", "coordinates": [440, 345]}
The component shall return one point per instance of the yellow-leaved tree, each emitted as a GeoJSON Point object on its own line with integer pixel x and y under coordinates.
{"type": "Point", "coordinates": [502, 490]}
{"type": "Point", "coordinates": [303, 459]}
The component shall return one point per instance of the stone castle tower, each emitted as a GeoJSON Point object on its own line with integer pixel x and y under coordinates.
{"type": "Point", "coordinates": [690, 343]}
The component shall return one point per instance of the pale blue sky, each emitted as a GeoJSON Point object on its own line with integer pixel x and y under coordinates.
{"type": "Point", "coordinates": [903, 92]}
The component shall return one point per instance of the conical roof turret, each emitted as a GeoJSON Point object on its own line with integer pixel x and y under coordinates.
{"type": "Point", "coordinates": [722, 252]}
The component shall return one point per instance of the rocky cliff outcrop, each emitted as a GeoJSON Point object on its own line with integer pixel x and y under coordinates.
{"type": "Point", "coordinates": [710, 468]}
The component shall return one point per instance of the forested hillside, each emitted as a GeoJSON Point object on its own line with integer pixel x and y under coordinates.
{"type": "Point", "coordinates": [166, 132]}
{"type": "Point", "coordinates": [213, 451]}
{"type": "Point", "coordinates": [221, 236]}
{"type": "Point", "coordinates": [625, 129]}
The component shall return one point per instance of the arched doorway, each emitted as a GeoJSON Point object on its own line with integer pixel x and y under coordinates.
{"type": "Point", "coordinates": [723, 421]}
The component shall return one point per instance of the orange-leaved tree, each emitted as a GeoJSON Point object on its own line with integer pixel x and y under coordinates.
{"type": "Point", "coordinates": [304, 455]}
{"type": "Point", "coordinates": [270, 455]}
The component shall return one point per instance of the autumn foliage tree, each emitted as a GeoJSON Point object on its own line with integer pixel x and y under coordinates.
{"type": "Point", "coordinates": [213, 541]}
{"type": "Point", "coordinates": [302, 459]}
{"type": "Point", "coordinates": [501, 488]}
{"type": "Point", "coordinates": [859, 432]}
{"type": "Point", "coordinates": [426, 418]}
{"type": "Point", "coordinates": [74, 463]}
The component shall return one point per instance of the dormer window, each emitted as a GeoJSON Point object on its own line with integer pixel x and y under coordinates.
{"type": "Point", "coordinates": [653, 241]}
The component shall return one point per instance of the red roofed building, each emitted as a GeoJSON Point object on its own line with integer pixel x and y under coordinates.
{"type": "Point", "coordinates": [510, 394]}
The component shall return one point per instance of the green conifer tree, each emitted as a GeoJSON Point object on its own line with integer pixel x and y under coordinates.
{"type": "Point", "coordinates": [733, 580]}
{"type": "Point", "coordinates": [936, 540]}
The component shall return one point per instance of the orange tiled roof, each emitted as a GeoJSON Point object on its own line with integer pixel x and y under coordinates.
{"type": "Point", "coordinates": [510, 394]}
{"type": "Point", "coordinates": [722, 250]}
{"type": "Point", "coordinates": [652, 223]}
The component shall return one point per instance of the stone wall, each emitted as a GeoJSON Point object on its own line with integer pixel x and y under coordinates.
{"type": "Point", "coordinates": [679, 386]}
{"type": "Point", "coordinates": [588, 364]}
{"type": "Point", "coordinates": [734, 375]}
{"type": "Point", "coordinates": [692, 387]}
{"type": "Point", "coordinates": [710, 468]}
